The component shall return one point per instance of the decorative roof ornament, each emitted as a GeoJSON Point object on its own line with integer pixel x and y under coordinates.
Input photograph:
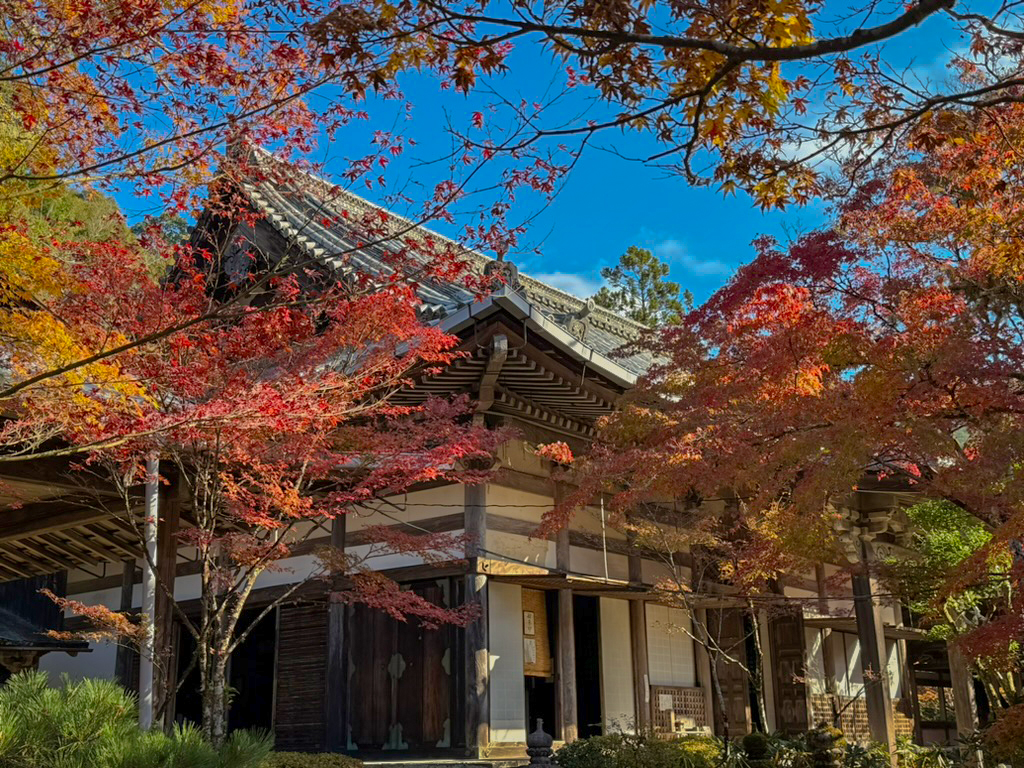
{"type": "Point", "coordinates": [886, 530]}
{"type": "Point", "coordinates": [503, 272]}
{"type": "Point", "coordinates": [579, 325]}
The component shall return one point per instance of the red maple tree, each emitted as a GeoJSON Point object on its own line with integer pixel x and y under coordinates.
{"type": "Point", "coordinates": [271, 417]}
{"type": "Point", "coordinates": [888, 344]}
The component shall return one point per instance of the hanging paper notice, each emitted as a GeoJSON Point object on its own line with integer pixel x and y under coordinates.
{"type": "Point", "coordinates": [529, 650]}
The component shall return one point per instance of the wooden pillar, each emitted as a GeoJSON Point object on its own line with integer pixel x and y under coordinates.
{"type": "Point", "coordinates": [770, 659]}
{"type": "Point", "coordinates": [908, 688]}
{"type": "Point", "coordinates": [123, 661]}
{"type": "Point", "coordinates": [828, 654]}
{"type": "Point", "coordinates": [873, 658]}
{"type": "Point", "coordinates": [962, 682]}
{"type": "Point", "coordinates": [703, 659]}
{"type": "Point", "coordinates": [150, 567]}
{"type": "Point", "coordinates": [916, 705]}
{"type": "Point", "coordinates": [638, 642]}
{"type": "Point", "coordinates": [566, 646]}
{"type": "Point", "coordinates": [336, 698]}
{"type": "Point", "coordinates": [167, 565]}
{"type": "Point", "coordinates": [477, 660]}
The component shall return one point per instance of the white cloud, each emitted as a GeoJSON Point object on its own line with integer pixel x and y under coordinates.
{"type": "Point", "coordinates": [578, 285]}
{"type": "Point", "coordinates": [676, 254]}
{"type": "Point", "coordinates": [816, 152]}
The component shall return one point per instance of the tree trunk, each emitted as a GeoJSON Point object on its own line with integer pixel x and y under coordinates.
{"type": "Point", "coordinates": [757, 673]}
{"type": "Point", "coordinates": [723, 710]}
{"type": "Point", "coordinates": [713, 655]}
{"type": "Point", "coordinates": [215, 710]}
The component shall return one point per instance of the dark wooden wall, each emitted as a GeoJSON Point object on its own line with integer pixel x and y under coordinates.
{"type": "Point", "coordinates": [299, 716]}
{"type": "Point", "coordinates": [22, 598]}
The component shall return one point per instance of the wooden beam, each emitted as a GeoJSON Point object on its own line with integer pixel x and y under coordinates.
{"type": "Point", "coordinates": [45, 516]}
{"type": "Point", "coordinates": [7, 571]}
{"type": "Point", "coordinates": [703, 659]}
{"type": "Point", "coordinates": [55, 473]}
{"type": "Point", "coordinates": [91, 552]}
{"type": "Point", "coordinates": [336, 717]}
{"type": "Point", "coordinates": [33, 547]}
{"type": "Point", "coordinates": [31, 566]}
{"type": "Point", "coordinates": [567, 667]}
{"type": "Point", "coordinates": [74, 554]}
{"type": "Point", "coordinates": [116, 546]}
{"type": "Point", "coordinates": [559, 368]}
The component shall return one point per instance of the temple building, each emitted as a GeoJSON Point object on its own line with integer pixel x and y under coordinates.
{"type": "Point", "coordinates": [571, 631]}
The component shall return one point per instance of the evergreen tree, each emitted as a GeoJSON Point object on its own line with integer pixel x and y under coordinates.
{"type": "Point", "coordinates": [638, 289]}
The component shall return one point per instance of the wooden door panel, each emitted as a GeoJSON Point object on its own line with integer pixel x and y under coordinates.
{"type": "Point", "coordinates": [372, 648]}
{"type": "Point", "coordinates": [728, 626]}
{"type": "Point", "coordinates": [424, 688]}
{"type": "Point", "coordinates": [790, 672]}
{"type": "Point", "coordinates": [401, 681]}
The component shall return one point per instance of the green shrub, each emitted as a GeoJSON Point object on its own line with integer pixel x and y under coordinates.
{"type": "Point", "coordinates": [698, 751]}
{"type": "Point", "coordinates": [93, 724]}
{"type": "Point", "coordinates": [647, 751]}
{"type": "Point", "coordinates": [620, 750]}
{"type": "Point", "coordinates": [625, 750]}
{"type": "Point", "coordinates": [912, 755]}
{"type": "Point", "coordinates": [872, 756]}
{"type": "Point", "coordinates": [307, 760]}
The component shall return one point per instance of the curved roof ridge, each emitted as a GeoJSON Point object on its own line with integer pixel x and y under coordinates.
{"type": "Point", "coordinates": [553, 298]}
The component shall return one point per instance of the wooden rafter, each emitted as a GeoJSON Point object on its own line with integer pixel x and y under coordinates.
{"type": "Point", "coordinates": [46, 516]}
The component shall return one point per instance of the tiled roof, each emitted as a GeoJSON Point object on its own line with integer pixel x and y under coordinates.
{"type": "Point", "coordinates": [18, 632]}
{"type": "Point", "coordinates": [311, 212]}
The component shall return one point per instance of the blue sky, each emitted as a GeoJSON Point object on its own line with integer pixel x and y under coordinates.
{"type": "Point", "coordinates": [608, 203]}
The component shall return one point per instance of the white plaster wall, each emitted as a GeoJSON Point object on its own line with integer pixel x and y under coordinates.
{"type": "Point", "coordinates": [588, 520]}
{"type": "Point", "coordinates": [616, 666]}
{"type": "Point", "coordinates": [670, 652]}
{"type": "Point", "coordinates": [838, 606]}
{"type": "Point", "coordinates": [419, 505]}
{"type": "Point", "coordinates": [507, 685]}
{"type": "Point", "coordinates": [654, 571]}
{"type": "Point", "coordinates": [894, 666]}
{"type": "Point", "coordinates": [512, 546]}
{"type": "Point", "coordinates": [110, 598]}
{"type": "Point", "coordinates": [592, 562]}
{"type": "Point", "coordinates": [799, 592]}
{"type": "Point", "coordinates": [814, 660]}
{"type": "Point", "coordinates": [288, 571]}
{"type": "Point", "coordinates": [848, 665]}
{"type": "Point", "coordinates": [522, 456]}
{"type": "Point", "coordinates": [850, 676]}
{"type": "Point", "coordinates": [99, 663]}
{"type": "Point", "coordinates": [517, 504]}
{"type": "Point", "coordinates": [380, 559]}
